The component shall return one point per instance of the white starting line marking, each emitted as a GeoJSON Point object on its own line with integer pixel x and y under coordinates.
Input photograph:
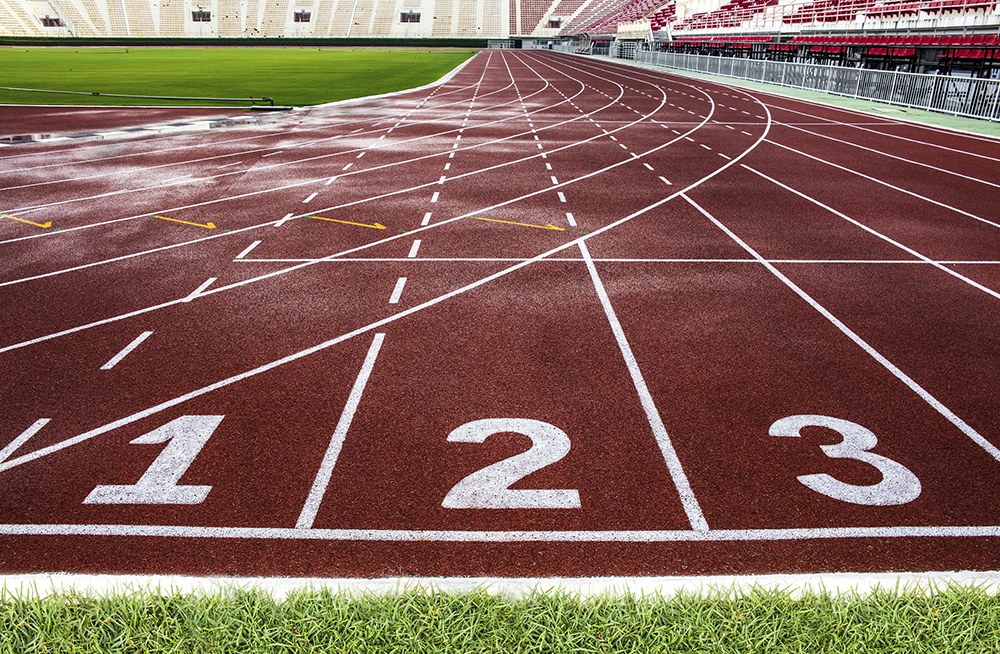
{"type": "Point", "coordinates": [311, 508]}
{"type": "Point", "coordinates": [249, 249]}
{"type": "Point", "coordinates": [415, 535]}
{"type": "Point", "coordinates": [309, 199]}
{"type": "Point", "coordinates": [413, 249]}
{"type": "Point", "coordinates": [572, 221]}
{"type": "Point", "coordinates": [397, 292]}
{"type": "Point", "coordinates": [125, 352]}
{"type": "Point", "coordinates": [283, 220]}
{"type": "Point", "coordinates": [427, 219]}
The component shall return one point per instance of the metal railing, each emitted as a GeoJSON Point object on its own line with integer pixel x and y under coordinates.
{"type": "Point", "coordinates": [960, 96]}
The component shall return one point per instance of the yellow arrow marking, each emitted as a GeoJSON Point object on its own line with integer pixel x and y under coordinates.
{"type": "Point", "coordinates": [345, 222]}
{"type": "Point", "coordinates": [206, 225]}
{"type": "Point", "coordinates": [507, 222]}
{"type": "Point", "coordinates": [22, 220]}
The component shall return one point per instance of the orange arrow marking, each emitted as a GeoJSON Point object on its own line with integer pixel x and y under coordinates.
{"type": "Point", "coordinates": [22, 220]}
{"type": "Point", "coordinates": [206, 225]}
{"type": "Point", "coordinates": [345, 222]}
{"type": "Point", "coordinates": [507, 222]}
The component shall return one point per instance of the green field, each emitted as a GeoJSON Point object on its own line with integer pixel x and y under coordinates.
{"type": "Point", "coordinates": [291, 76]}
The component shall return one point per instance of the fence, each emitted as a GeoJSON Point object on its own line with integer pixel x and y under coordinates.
{"type": "Point", "coordinates": [961, 96]}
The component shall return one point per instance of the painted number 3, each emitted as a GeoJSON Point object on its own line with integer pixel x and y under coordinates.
{"type": "Point", "coordinates": [898, 485]}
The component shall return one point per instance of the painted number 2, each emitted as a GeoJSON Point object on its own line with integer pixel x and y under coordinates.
{"type": "Point", "coordinates": [158, 485]}
{"type": "Point", "coordinates": [898, 485]}
{"type": "Point", "coordinates": [489, 488]}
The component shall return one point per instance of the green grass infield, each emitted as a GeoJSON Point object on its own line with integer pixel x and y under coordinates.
{"type": "Point", "coordinates": [955, 619]}
{"type": "Point", "coordinates": [291, 76]}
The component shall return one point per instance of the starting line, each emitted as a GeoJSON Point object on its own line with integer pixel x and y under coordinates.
{"type": "Point", "coordinates": [413, 535]}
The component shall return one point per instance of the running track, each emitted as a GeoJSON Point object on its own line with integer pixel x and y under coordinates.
{"type": "Point", "coordinates": [554, 316]}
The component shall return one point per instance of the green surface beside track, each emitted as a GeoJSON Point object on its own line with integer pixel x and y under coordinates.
{"type": "Point", "coordinates": [295, 77]}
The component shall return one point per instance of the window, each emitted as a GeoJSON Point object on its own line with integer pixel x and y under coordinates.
{"type": "Point", "coordinates": [51, 22]}
{"type": "Point", "coordinates": [409, 17]}
{"type": "Point", "coordinates": [555, 23]}
{"type": "Point", "coordinates": [302, 16]}
{"type": "Point", "coordinates": [201, 16]}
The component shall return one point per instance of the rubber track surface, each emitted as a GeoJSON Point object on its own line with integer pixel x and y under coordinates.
{"type": "Point", "coordinates": [554, 316]}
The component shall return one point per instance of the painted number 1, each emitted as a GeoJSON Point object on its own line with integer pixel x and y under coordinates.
{"type": "Point", "coordinates": [898, 485]}
{"type": "Point", "coordinates": [158, 485]}
{"type": "Point", "coordinates": [489, 488]}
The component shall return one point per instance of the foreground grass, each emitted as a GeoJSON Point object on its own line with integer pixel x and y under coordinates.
{"type": "Point", "coordinates": [291, 76]}
{"type": "Point", "coordinates": [954, 620]}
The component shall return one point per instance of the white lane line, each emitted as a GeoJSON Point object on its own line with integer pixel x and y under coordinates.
{"type": "Point", "coordinates": [688, 500]}
{"type": "Point", "coordinates": [309, 199]}
{"type": "Point", "coordinates": [283, 220]}
{"type": "Point", "coordinates": [125, 352]}
{"type": "Point", "coordinates": [441, 180]}
{"type": "Point", "coordinates": [22, 439]}
{"type": "Point", "coordinates": [886, 184]}
{"type": "Point", "coordinates": [248, 250]}
{"type": "Point", "coordinates": [555, 182]}
{"type": "Point", "coordinates": [235, 163]}
{"type": "Point", "coordinates": [272, 154]}
{"type": "Point", "coordinates": [665, 180]}
{"type": "Point", "coordinates": [747, 133]}
{"type": "Point", "coordinates": [562, 197]}
{"type": "Point", "coordinates": [727, 158]}
{"type": "Point", "coordinates": [447, 166]}
{"type": "Point", "coordinates": [443, 535]}
{"type": "Point", "coordinates": [647, 166]}
{"type": "Point", "coordinates": [347, 166]}
{"type": "Point", "coordinates": [330, 181]}
{"type": "Point", "coordinates": [397, 291]}
{"type": "Point", "coordinates": [434, 198]}
{"type": "Point", "coordinates": [965, 428]}
{"type": "Point", "coordinates": [570, 219]}
{"type": "Point", "coordinates": [704, 146]}
{"type": "Point", "coordinates": [880, 235]}
{"type": "Point", "coordinates": [315, 497]}
{"type": "Point", "coordinates": [413, 249]}
{"type": "Point", "coordinates": [360, 155]}
{"type": "Point", "coordinates": [427, 219]}
{"type": "Point", "coordinates": [195, 293]}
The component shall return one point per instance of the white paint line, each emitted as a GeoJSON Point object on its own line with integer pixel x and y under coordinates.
{"type": "Point", "coordinates": [427, 219]}
{"type": "Point", "coordinates": [434, 198]}
{"type": "Point", "coordinates": [562, 198]}
{"type": "Point", "coordinates": [235, 163]}
{"type": "Point", "coordinates": [976, 437]}
{"type": "Point", "coordinates": [554, 180]}
{"type": "Point", "coordinates": [623, 146]}
{"type": "Point", "coordinates": [124, 353]}
{"type": "Point", "coordinates": [880, 235]}
{"type": "Point", "coordinates": [397, 291]}
{"type": "Point", "coordinates": [248, 250]}
{"type": "Point", "coordinates": [416, 535]}
{"type": "Point", "coordinates": [22, 439]}
{"type": "Point", "coordinates": [272, 154]}
{"type": "Point", "coordinates": [308, 199]}
{"type": "Point", "coordinates": [447, 166]}
{"type": "Point", "coordinates": [727, 158]}
{"type": "Point", "coordinates": [544, 156]}
{"type": "Point", "coordinates": [441, 179]}
{"type": "Point", "coordinates": [451, 155]}
{"type": "Point", "coordinates": [454, 146]}
{"type": "Point", "coordinates": [539, 145]}
{"type": "Point", "coordinates": [548, 166]}
{"type": "Point", "coordinates": [360, 155]}
{"type": "Point", "coordinates": [688, 500]}
{"type": "Point", "coordinates": [570, 219]}
{"type": "Point", "coordinates": [311, 508]}
{"type": "Point", "coordinates": [704, 146]}
{"type": "Point", "coordinates": [347, 166]}
{"type": "Point", "coordinates": [742, 132]}
{"type": "Point", "coordinates": [283, 220]}
{"type": "Point", "coordinates": [330, 181]}
{"type": "Point", "coordinates": [647, 166]}
{"type": "Point", "coordinates": [665, 181]}
{"type": "Point", "coordinates": [201, 288]}
{"type": "Point", "coordinates": [413, 249]}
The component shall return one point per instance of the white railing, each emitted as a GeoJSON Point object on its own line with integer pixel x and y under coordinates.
{"type": "Point", "coordinates": [960, 96]}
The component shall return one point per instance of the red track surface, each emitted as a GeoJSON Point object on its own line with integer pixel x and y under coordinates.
{"type": "Point", "coordinates": [723, 262]}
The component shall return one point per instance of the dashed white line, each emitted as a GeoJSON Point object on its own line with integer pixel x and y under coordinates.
{"type": "Point", "coordinates": [194, 294]}
{"type": "Point", "coordinates": [665, 180]}
{"type": "Point", "coordinates": [647, 166]}
{"type": "Point", "coordinates": [397, 292]}
{"type": "Point", "coordinates": [125, 352]}
{"type": "Point", "coordinates": [308, 199]}
{"type": "Point", "coordinates": [562, 198]}
{"type": "Point", "coordinates": [434, 198]}
{"type": "Point", "coordinates": [570, 219]}
{"type": "Point", "coordinates": [248, 250]}
{"type": "Point", "coordinates": [347, 166]}
{"type": "Point", "coordinates": [413, 249]}
{"type": "Point", "coordinates": [427, 219]}
{"type": "Point", "coordinates": [283, 220]}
